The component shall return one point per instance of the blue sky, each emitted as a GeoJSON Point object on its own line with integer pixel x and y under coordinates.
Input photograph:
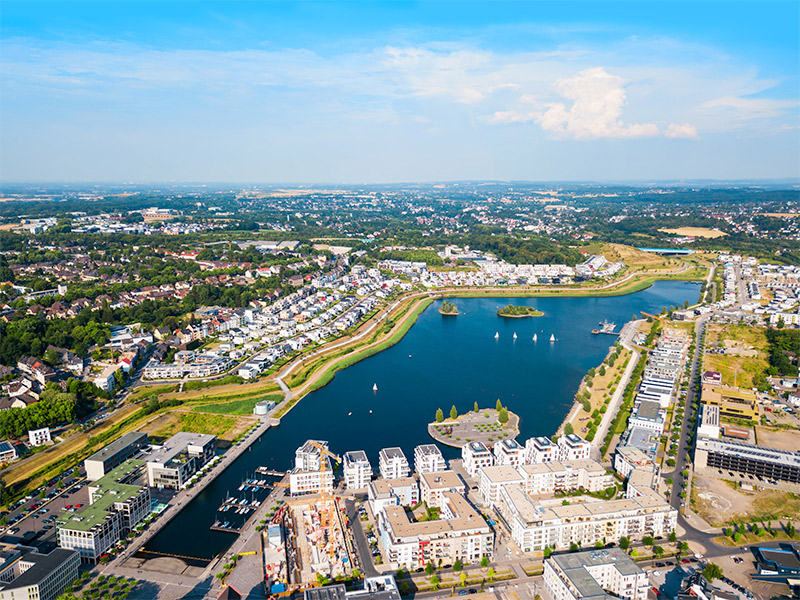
{"type": "Point", "coordinates": [398, 91]}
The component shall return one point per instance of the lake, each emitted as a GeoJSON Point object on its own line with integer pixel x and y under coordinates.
{"type": "Point", "coordinates": [441, 362]}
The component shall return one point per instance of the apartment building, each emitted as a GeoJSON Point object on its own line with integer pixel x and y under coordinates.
{"type": "Point", "coordinates": [648, 415]}
{"type": "Point", "coordinates": [595, 574]}
{"type": "Point", "coordinates": [357, 470]}
{"type": "Point", "coordinates": [312, 473]}
{"type": "Point", "coordinates": [475, 456]}
{"type": "Point", "coordinates": [494, 478]}
{"type": "Point", "coordinates": [428, 459]}
{"type": "Point", "coordinates": [536, 523]}
{"type": "Point", "coordinates": [117, 452]}
{"type": "Point", "coordinates": [403, 491]}
{"type": "Point", "coordinates": [460, 533]}
{"type": "Point", "coordinates": [628, 458]}
{"type": "Point", "coordinates": [540, 450]}
{"type": "Point", "coordinates": [179, 458]}
{"type": "Point", "coordinates": [393, 464]}
{"type": "Point", "coordinates": [551, 477]}
{"type": "Point", "coordinates": [433, 486]}
{"type": "Point", "coordinates": [508, 452]}
{"type": "Point", "coordinates": [572, 447]}
{"type": "Point", "coordinates": [25, 574]}
{"type": "Point", "coordinates": [39, 437]}
{"type": "Point", "coordinates": [117, 503]}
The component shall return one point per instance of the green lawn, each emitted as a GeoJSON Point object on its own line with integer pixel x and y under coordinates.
{"type": "Point", "coordinates": [243, 406]}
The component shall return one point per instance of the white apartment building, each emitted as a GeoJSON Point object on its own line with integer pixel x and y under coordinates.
{"type": "Point", "coordinates": [428, 459]}
{"type": "Point", "coordinates": [357, 470]}
{"type": "Point", "coordinates": [312, 473]}
{"type": "Point", "coordinates": [594, 573]}
{"type": "Point", "coordinates": [475, 456]}
{"type": "Point", "coordinates": [551, 477]}
{"type": "Point", "coordinates": [403, 491]}
{"type": "Point", "coordinates": [180, 457]}
{"type": "Point", "coordinates": [540, 450]}
{"type": "Point", "coordinates": [434, 485]}
{"type": "Point", "coordinates": [39, 437]}
{"type": "Point", "coordinates": [494, 478]}
{"type": "Point", "coordinates": [508, 452]}
{"type": "Point", "coordinates": [572, 447]}
{"type": "Point", "coordinates": [460, 534]}
{"type": "Point", "coordinates": [393, 464]}
{"type": "Point", "coordinates": [628, 458]}
{"type": "Point", "coordinates": [648, 415]}
{"type": "Point", "coordinates": [536, 523]}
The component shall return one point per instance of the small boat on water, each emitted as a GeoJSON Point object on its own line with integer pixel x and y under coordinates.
{"type": "Point", "coordinates": [496, 335]}
{"type": "Point", "coordinates": [370, 412]}
{"type": "Point", "coordinates": [535, 337]}
{"type": "Point", "coordinates": [350, 414]}
{"type": "Point", "coordinates": [515, 335]}
{"type": "Point", "coordinates": [552, 337]}
{"type": "Point", "coordinates": [374, 387]}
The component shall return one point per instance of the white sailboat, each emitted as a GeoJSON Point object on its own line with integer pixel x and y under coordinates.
{"type": "Point", "coordinates": [535, 337]}
{"type": "Point", "coordinates": [350, 414]}
{"type": "Point", "coordinates": [552, 337]}
{"type": "Point", "coordinates": [374, 387]}
{"type": "Point", "coordinates": [496, 335]}
{"type": "Point", "coordinates": [515, 335]}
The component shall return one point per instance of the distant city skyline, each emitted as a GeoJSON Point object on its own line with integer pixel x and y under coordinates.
{"type": "Point", "coordinates": [399, 91]}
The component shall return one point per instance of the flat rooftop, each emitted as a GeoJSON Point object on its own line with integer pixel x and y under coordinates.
{"type": "Point", "coordinates": [575, 566]}
{"type": "Point", "coordinates": [118, 446]}
{"type": "Point", "coordinates": [43, 565]}
{"type": "Point", "coordinates": [179, 443]}
{"type": "Point", "coordinates": [502, 474]}
{"type": "Point", "coordinates": [749, 451]}
{"type": "Point", "coordinates": [356, 456]}
{"type": "Point", "coordinates": [441, 480]}
{"type": "Point", "coordinates": [392, 453]}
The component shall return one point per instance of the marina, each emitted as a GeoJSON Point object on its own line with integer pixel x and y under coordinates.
{"type": "Point", "coordinates": [607, 328]}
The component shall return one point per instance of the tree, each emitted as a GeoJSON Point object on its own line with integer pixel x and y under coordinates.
{"type": "Point", "coordinates": [439, 415]}
{"type": "Point", "coordinates": [463, 579]}
{"type": "Point", "coordinates": [429, 568]}
{"type": "Point", "coordinates": [712, 571]}
{"type": "Point", "coordinates": [624, 543]}
{"type": "Point", "coordinates": [548, 552]}
{"type": "Point", "coordinates": [658, 550]}
{"type": "Point", "coordinates": [569, 429]}
{"type": "Point", "coordinates": [476, 409]}
{"type": "Point", "coordinates": [435, 582]}
{"type": "Point", "coordinates": [573, 547]}
{"type": "Point", "coordinates": [648, 540]}
{"type": "Point", "coordinates": [453, 412]}
{"type": "Point", "coordinates": [491, 573]}
{"type": "Point", "coordinates": [498, 405]}
{"type": "Point", "coordinates": [52, 358]}
{"type": "Point", "coordinates": [502, 417]}
{"type": "Point", "coordinates": [673, 537]}
{"type": "Point", "coordinates": [458, 565]}
{"type": "Point", "coordinates": [485, 562]}
{"type": "Point", "coordinates": [602, 370]}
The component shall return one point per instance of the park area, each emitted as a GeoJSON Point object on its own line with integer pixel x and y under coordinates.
{"type": "Point", "coordinates": [482, 425]}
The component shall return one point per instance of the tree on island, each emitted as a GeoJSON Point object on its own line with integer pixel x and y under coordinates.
{"type": "Point", "coordinates": [498, 405]}
{"type": "Point", "coordinates": [476, 407]}
{"type": "Point", "coordinates": [439, 415]}
{"type": "Point", "coordinates": [502, 417]}
{"type": "Point", "coordinates": [453, 412]}
{"type": "Point", "coordinates": [448, 308]}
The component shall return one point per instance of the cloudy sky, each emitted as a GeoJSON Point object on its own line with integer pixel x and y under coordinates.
{"type": "Point", "coordinates": [397, 92]}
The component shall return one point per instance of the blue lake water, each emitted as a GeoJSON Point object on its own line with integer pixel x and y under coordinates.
{"type": "Point", "coordinates": [442, 361]}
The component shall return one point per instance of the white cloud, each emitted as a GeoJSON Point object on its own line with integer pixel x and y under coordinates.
{"type": "Point", "coordinates": [745, 109]}
{"type": "Point", "coordinates": [687, 130]}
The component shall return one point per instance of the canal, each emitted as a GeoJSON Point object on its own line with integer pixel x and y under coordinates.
{"type": "Point", "coordinates": [442, 361]}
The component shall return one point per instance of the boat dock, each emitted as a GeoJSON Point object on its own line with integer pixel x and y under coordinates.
{"type": "Point", "coordinates": [226, 527]}
{"type": "Point", "coordinates": [270, 472]}
{"type": "Point", "coordinates": [606, 327]}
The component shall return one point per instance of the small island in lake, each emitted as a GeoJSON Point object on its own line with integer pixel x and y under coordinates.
{"type": "Point", "coordinates": [448, 309]}
{"type": "Point", "coordinates": [517, 312]}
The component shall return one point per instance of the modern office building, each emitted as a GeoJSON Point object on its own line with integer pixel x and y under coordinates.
{"type": "Point", "coordinates": [538, 523]}
{"type": "Point", "coordinates": [117, 452]}
{"type": "Point", "coordinates": [709, 421]}
{"type": "Point", "coordinates": [357, 470]}
{"type": "Point", "coordinates": [508, 452]}
{"type": "Point", "coordinates": [25, 574]}
{"type": "Point", "coordinates": [475, 456]}
{"type": "Point", "coordinates": [179, 458]}
{"type": "Point", "coordinates": [312, 473]}
{"type": "Point", "coordinates": [434, 485]}
{"type": "Point", "coordinates": [117, 503]}
{"type": "Point", "coordinates": [460, 533]}
{"type": "Point", "coordinates": [746, 459]}
{"type": "Point", "coordinates": [733, 403]}
{"type": "Point", "coordinates": [393, 464]}
{"type": "Point", "coordinates": [428, 459]}
{"type": "Point", "coordinates": [648, 415]}
{"type": "Point", "coordinates": [594, 574]}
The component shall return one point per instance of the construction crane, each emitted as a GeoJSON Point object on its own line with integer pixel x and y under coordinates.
{"type": "Point", "coordinates": [326, 495]}
{"type": "Point", "coordinates": [652, 316]}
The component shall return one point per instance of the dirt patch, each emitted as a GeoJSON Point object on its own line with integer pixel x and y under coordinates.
{"type": "Point", "coordinates": [703, 232]}
{"type": "Point", "coordinates": [738, 352]}
{"type": "Point", "coordinates": [224, 427]}
{"type": "Point", "coordinates": [719, 502]}
{"type": "Point", "coordinates": [782, 439]}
